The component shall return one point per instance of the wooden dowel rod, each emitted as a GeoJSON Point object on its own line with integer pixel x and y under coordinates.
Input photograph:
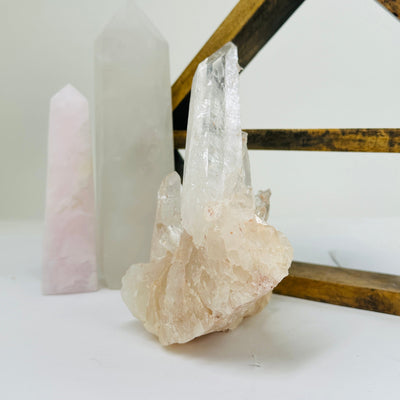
{"type": "Point", "coordinates": [392, 5]}
{"type": "Point", "coordinates": [360, 140]}
{"type": "Point", "coordinates": [345, 287]}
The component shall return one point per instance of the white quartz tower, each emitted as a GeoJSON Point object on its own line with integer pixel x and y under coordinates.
{"type": "Point", "coordinates": [134, 146]}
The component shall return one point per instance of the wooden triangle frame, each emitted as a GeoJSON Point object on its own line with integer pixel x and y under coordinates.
{"type": "Point", "coordinates": [250, 25]}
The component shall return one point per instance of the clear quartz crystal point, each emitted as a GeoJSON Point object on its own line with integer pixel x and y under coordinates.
{"type": "Point", "coordinates": [69, 258]}
{"type": "Point", "coordinates": [134, 146]}
{"type": "Point", "coordinates": [168, 226]}
{"type": "Point", "coordinates": [215, 260]}
{"type": "Point", "coordinates": [214, 147]}
{"type": "Point", "coordinates": [262, 204]}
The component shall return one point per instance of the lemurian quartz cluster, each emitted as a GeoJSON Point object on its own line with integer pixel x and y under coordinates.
{"type": "Point", "coordinates": [214, 258]}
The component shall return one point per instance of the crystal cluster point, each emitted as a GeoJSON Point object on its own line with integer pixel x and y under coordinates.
{"type": "Point", "coordinates": [214, 258]}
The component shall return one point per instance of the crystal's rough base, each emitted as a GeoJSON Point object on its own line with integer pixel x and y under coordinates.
{"type": "Point", "coordinates": [190, 291]}
{"type": "Point", "coordinates": [214, 259]}
{"type": "Point", "coordinates": [133, 138]}
{"type": "Point", "coordinates": [69, 259]}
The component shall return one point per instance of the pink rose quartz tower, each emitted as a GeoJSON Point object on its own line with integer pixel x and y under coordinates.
{"type": "Point", "coordinates": [69, 244]}
{"type": "Point", "coordinates": [214, 257]}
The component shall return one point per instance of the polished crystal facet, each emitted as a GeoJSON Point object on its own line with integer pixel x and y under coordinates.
{"type": "Point", "coordinates": [69, 259]}
{"type": "Point", "coordinates": [133, 138]}
{"type": "Point", "coordinates": [214, 258]}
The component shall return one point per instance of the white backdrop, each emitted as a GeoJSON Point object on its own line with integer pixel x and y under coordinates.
{"type": "Point", "coordinates": [334, 64]}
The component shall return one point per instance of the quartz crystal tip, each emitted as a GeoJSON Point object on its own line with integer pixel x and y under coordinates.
{"type": "Point", "coordinates": [214, 148]}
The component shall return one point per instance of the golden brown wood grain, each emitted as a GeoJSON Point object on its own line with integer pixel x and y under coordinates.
{"type": "Point", "coordinates": [229, 28]}
{"type": "Point", "coordinates": [249, 25]}
{"type": "Point", "coordinates": [392, 5]}
{"type": "Point", "coordinates": [362, 140]}
{"type": "Point", "coordinates": [346, 287]}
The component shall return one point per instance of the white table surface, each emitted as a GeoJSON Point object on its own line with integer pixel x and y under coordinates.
{"type": "Point", "coordinates": [87, 346]}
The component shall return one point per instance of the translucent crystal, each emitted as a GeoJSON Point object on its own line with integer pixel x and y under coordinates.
{"type": "Point", "coordinates": [133, 138]}
{"type": "Point", "coordinates": [262, 204]}
{"type": "Point", "coordinates": [168, 226]}
{"type": "Point", "coordinates": [214, 258]}
{"type": "Point", "coordinates": [214, 144]}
